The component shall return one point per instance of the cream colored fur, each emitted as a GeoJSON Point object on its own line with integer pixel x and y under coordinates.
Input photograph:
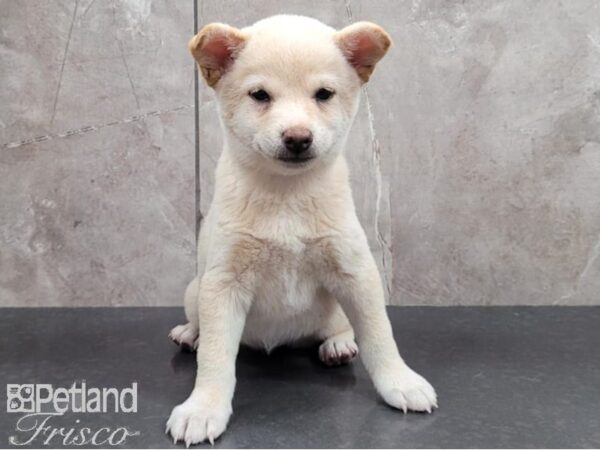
{"type": "Point", "coordinates": [282, 256]}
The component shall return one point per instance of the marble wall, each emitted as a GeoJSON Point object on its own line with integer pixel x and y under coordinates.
{"type": "Point", "coordinates": [475, 154]}
{"type": "Point", "coordinates": [100, 211]}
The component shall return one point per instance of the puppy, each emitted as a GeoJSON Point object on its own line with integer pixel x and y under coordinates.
{"type": "Point", "coordinates": [282, 255]}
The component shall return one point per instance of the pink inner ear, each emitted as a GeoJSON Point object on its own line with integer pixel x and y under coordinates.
{"type": "Point", "coordinates": [363, 51]}
{"type": "Point", "coordinates": [218, 52]}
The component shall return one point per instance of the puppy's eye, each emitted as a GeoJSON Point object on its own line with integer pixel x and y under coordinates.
{"type": "Point", "coordinates": [324, 94]}
{"type": "Point", "coordinates": [260, 96]}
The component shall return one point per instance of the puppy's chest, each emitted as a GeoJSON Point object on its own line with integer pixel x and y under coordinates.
{"type": "Point", "coordinates": [288, 272]}
{"type": "Point", "coordinates": [289, 246]}
{"type": "Point", "coordinates": [290, 253]}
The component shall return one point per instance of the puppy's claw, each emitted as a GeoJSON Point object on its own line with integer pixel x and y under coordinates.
{"type": "Point", "coordinates": [186, 336]}
{"type": "Point", "coordinates": [407, 390]}
{"type": "Point", "coordinates": [338, 349]}
{"type": "Point", "coordinates": [195, 421]}
{"type": "Point", "coordinates": [210, 432]}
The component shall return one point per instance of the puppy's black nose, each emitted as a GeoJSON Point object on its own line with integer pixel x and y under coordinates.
{"type": "Point", "coordinates": [297, 139]}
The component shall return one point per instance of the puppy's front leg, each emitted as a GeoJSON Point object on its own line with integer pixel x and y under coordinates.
{"type": "Point", "coordinates": [222, 307]}
{"type": "Point", "coordinates": [357, 286]}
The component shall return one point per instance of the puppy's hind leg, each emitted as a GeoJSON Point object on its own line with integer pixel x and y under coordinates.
{"type": "Point", "coordinates": [186, 335]}
{"type": "Point", "coordinates": [338, 346]}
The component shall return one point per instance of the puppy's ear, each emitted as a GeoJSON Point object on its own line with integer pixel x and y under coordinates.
{"type": "Point", "coordinates": [215, 48]}
{"type": "Point", "coordinates": [363, 44]}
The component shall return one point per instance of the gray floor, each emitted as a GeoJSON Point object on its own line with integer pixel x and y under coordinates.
{"type": "Point", "coordinates": [506, 377]}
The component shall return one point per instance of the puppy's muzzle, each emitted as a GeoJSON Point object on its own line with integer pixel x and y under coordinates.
{"type": "Point", "coordinates": [297, 143]}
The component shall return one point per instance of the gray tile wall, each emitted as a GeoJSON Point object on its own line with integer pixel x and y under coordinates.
{"type": "Point", "coordinates": [475, 154]}
{"type": "Point", "coordinates": [105, 216]}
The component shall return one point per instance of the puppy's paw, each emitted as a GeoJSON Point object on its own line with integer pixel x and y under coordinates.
{"type": "Point", "coordinates": [338, 349]}
{"type": "Point", "coordinates": [186, 336]}
{"type": "Point", "coordinates": [407, 390]}
{"type": "Point", "coordinates": [199, 419]}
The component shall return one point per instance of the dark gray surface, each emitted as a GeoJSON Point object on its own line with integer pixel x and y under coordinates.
{"type": "Point", "coordinates": [506, 377]}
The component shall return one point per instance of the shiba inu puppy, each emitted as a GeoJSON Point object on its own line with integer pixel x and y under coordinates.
{"type": "Point", "coordinates": [282, 255]}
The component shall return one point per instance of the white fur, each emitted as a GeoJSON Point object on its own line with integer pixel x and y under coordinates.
{"type": "Point", "coordinates": [282, 255]}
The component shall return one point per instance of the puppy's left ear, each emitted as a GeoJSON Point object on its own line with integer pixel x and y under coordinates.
{"type": "Point", "coordinates": [215, 48]}
{"type": "Point", "coordinates": [363, 44]}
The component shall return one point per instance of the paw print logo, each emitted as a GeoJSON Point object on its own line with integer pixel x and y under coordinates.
{"type": "Point", "coordinates": [19, 398]}
{"type": "Point", "coordinates": [15, 405]}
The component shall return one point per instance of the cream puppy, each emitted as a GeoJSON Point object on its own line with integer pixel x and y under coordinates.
{"type": "Point", "coordinates": [282, 255]}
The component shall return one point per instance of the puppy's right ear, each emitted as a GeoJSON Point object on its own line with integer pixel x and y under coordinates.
{"type": "Point", "coordinates": [215, 48]}
{"type": "Point", "coordinates": [363, 44]}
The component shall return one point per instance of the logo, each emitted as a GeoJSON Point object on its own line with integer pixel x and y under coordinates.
{"type": "Point", "coordinates": [19, 398]}
{"type": "Point", "coordinates": [40, 404]}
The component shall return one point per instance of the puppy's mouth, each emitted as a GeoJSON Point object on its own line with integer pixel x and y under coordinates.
{"type": "Point", "coordinates": [296, 160]}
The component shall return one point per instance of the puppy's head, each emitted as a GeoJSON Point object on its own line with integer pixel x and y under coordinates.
{"type": "Point", "coordinates": [288, 86]}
